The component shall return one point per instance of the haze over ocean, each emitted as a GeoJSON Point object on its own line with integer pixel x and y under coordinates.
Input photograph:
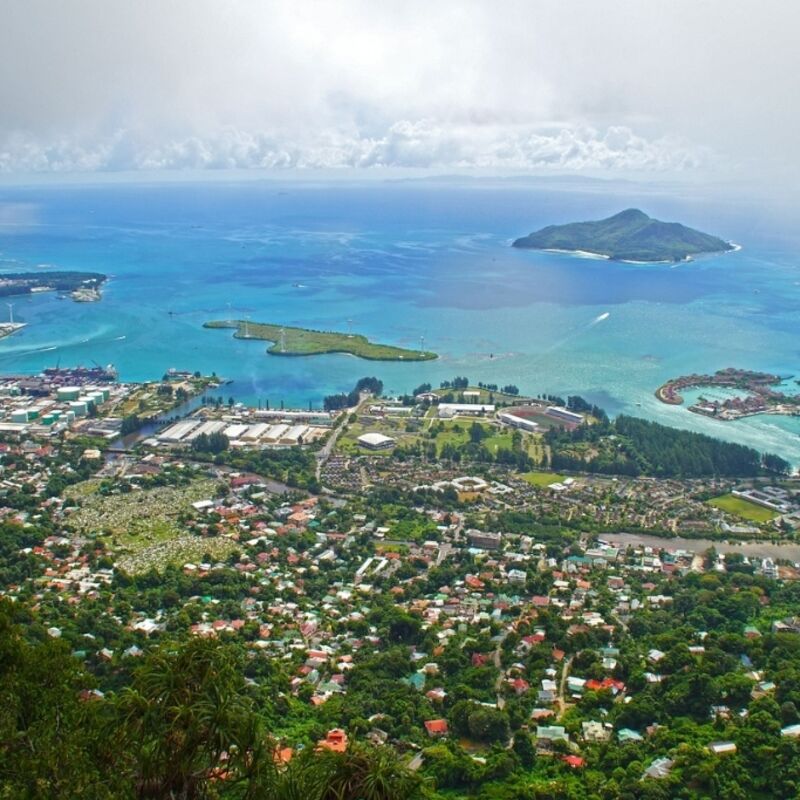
{"type": "Point", "coordinates": [401, 260]}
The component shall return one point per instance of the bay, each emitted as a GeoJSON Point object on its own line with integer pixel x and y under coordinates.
{"type": "Point", "coordinates": [402, 262]}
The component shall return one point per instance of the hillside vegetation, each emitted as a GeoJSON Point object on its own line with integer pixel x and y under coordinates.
{"type": "Point", "coordinates": [630, 235]}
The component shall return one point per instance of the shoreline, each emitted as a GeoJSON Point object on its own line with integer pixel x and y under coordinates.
{"type": "Point", "coordinates": [760, 397]}
{"type": "Point", "coordinates": [579, 253]}
{"type": "Point", "coordinates": [10, 328]}
{"type": "Point", "coordinates": [589, 254]}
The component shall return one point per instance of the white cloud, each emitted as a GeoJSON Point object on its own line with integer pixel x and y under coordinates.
{"type": "Point", "coordinates": [424, 144]}
{"type": "Point", "coordinates": [105, 85]}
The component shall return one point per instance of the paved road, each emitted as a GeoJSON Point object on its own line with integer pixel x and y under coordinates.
{"type": "Point", "coordinates": [498, 684]}
{"type": "Point", "coordinates": [325, 453]}
{"type": "Point", "coordinates": [562, 704]}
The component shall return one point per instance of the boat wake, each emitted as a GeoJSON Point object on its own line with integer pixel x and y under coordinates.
{"type": "Point", "coordinates": [600, 318]}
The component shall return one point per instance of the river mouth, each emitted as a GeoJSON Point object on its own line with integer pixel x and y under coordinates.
{"type": "Point", "coordinates": [128, 442]}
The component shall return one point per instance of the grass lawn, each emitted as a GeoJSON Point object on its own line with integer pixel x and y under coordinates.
{"type": "Point", "coordinates": [743, 508]}
{"type": "Point", "coordinates": [542, 478]}
{"type": "Point", "coordinates": [486, 396]}
{"type": "Point", "coordinates": [456, 432]}
{"type": "Point", "coordinates": [396, 428]}
{"type": "Point", "coordinates": [306, 342]}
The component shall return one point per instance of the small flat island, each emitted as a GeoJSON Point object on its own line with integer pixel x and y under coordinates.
{"type": "Point", "coordinates": [759, 396]}
{"type": "Point", "coordinates": [290, 341]}
{"type": "Point", "coordinates": [628, 236]}
{"type": "Point", "coordinates": [83, 287]}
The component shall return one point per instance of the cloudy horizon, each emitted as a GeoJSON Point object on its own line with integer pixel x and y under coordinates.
{"type": "Point", "coordinates": [612, 89]}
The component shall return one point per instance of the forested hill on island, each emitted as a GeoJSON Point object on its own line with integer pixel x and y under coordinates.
{"type": "Point", "coordinates": [628, 236]}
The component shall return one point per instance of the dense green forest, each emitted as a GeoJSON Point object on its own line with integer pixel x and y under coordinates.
{"type": "Point", "coordinates": [629, 235]}
{"type": "Point", "coordinates": [632, 446]}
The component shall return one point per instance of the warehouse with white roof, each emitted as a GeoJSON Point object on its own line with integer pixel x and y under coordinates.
{"type": "Point", "coordinates": [376, 441]}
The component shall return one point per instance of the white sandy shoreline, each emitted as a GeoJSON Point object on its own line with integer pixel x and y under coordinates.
{"type": "Point", "coordinates": [602, 257]}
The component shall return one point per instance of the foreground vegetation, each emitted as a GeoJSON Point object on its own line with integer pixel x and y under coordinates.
{"type": "Point", "coordinates": [186, 727]}
{"type": "Point", "coordinates": [290, 341]}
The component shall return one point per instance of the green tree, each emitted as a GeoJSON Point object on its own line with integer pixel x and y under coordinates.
{"type": "Point", "coordinates": [184, 710]}
{"type": "Point", "coordinates": [49, 743]}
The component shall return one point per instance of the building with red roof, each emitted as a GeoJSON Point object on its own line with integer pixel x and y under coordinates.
{"type": "Point", "coordinates": [436, 727]}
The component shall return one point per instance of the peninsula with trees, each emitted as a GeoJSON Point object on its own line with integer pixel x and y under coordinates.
{"type": "Point", "coordinates": [759, 394]}
{"type": "Point", "coordinates": [81, 286]}
{"type": "Point", "coordinates": [630, 235]}
{"type": "Point", "coordinates": [292, 341]}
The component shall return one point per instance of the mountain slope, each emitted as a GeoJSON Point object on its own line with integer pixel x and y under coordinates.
{"type": "Point", "coordinates": [630, 235]}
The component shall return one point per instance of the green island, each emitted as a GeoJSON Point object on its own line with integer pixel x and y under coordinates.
{"type": "Point", "coordinates": [291, 341]}
{"type": "Point", "coordinates": [630, 235]}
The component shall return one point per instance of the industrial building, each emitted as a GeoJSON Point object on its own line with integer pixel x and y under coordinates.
{"type": "Point", "coordinates": [557, 412]}
{"type": "Point", "coordinates": [449, 410]}
{"type": "Point", "coordinates": [47, 413]}
{"type": "Point", "coordinates": [240, 434]}
{"type": "Point", "coordinates": [514, 421]}
{"type": "Point", "coordinates": [376, 441]}
{"type": "Point", "coordinates": [484, 540]}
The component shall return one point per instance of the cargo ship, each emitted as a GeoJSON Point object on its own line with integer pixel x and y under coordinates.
{"type": "Point", "coordinates": [80, 375]}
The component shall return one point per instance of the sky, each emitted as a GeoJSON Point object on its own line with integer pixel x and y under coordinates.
{"type": "Point", "coordinates": [618, 87]}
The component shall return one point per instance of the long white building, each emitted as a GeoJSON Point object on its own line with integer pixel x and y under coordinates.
{"type": "Point", "coordinates": [517, 422]}
{"type": "Point", "coordinates": [472, 409]}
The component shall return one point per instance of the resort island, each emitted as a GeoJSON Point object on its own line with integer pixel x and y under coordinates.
{"type": "Point", "coordinates": [82, 287]}
{"type": "Point", "coordinates": [291, 341]}
{"type": "Point", "coordinates": [759, 395]}
{"type": "Point", "coordinates": [628, 236]}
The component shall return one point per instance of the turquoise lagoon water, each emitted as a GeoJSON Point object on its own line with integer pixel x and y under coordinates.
{"type": "Point", "coordinates": [397, 261]}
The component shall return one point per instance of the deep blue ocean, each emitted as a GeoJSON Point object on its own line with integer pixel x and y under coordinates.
{"type": "Point", "coordinates": [398, 261]}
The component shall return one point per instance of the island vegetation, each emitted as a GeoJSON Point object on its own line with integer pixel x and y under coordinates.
{"type": "Point", "coordinates": [292, 341]}
{"type": "Point", "coordinates": [82, 286]}
{"type": "Point", "coordinates": [630, 235]}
